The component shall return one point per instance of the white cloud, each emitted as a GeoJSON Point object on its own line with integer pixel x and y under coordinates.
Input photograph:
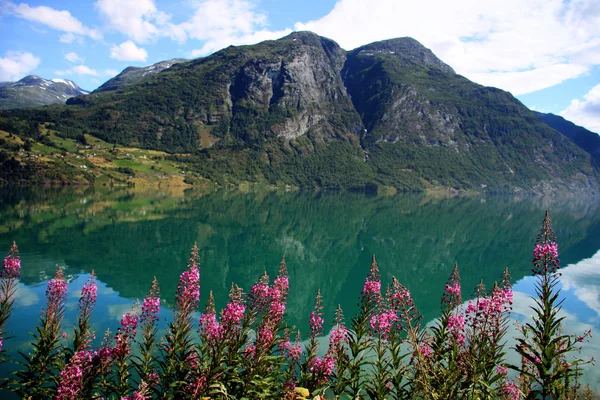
{"type": "Point", "coordinates": [25, 296]}
{"type": "Point", "coordinates": [111, 72]}
{"type": "Point", "coordinates": [83, 70]}
{"type": "Point", "coordinates": [585, 112]}
{"type": "Point", "coordinates": [505, 43]}
{"type": "Point", "coordinates": [70, 38]}
{"type": "Point", "coordinates": [220, 23]}
{"type": "Point", "coordinates": [128, 51]}
{"type": "Point", "coordinates": [60, 20]}
{"type": "Point", "coordinates": [73, 57]}
{"type": "Point", "coordinates": [583, 278]}
{"type": "Point", "coordinates": [78, 70]}
{"type": "Point", "coordinates": [139, 20]}
{"type": "Point", "coordinates": [521, 82]}
{"type": "Point", "coordinates": [15, 64]}
{"type": "Point", "coordinates": [116, 311]}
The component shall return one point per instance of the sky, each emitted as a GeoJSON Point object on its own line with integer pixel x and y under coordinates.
{"type": "Point", "coordinates": [545, 52]}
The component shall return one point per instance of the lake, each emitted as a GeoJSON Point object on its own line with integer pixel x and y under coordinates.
{"type": "Point", "coordinates": [128, 237]}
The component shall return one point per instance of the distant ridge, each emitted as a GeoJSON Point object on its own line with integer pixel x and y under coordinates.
{"type": "Point", "coordinates": [33, 91]}
{"type": "Point", "coordinates": [587, 140]}
{"type": "Point", "coordinates": [131, 75]}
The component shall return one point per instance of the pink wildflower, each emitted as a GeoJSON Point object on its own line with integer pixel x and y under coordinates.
{"type": "Point", "coordinates": [234, 311]}
{"type": "Point", "coordinates": [188, 290]}
{"type": "Point", "coordinates": [125, 334]}
{"type": "Point", "coordinates": [399, 296]}
{"type": "Point", "coordinates": [282, 284]}
{"type": "Point", "coordinates": [71, 377]}
{"type": "Point", "coordinates": [151, 306]}
{"type": "Point", "coordinates": [292, 352]}
{"type": "Point", "coordinates": [316, 322]}
{"type": "Point", "coordinates": [11, 268]}
{"type": "Point", "coordinates": [383, 322]}
{"type": "Point", "coordinates": [338, 336]}
{"type": "Point", "coordinates": [276, 310]}
{"type": "Point", "coordinates": [89, 291]}
{"type": "Point", "coordinates": [129, 322]}
{"type": "Point", "coordinates": [548, 250]}
{"type": "Point", "coordinates": [452, 293]}
{"type": "Point", "coordinates": [456, 326]}
{"type": "Point", "coordinates": [260, 290]}
{"type": "Point", "coordinates": [511, 391]}
{"type": "Point", "coordinates": [250, 351]}
{"type": "Point", "coordinates": [425, 350]}
{"type": "Point", "coordinates": [259, 294]}
{"type": "Point", "coordinates": [191, 361]}
{"type": "Point", "coordinates": [56, 292]}
{"type": "Point", "coordinates": [210, 329]}
{"type": "Point", "coordinates": [372, 286]}
{"type": "Point", "coordinates": [150, 309]}
{"type": "Point", "coordinates": [501, 370]}
{"type": "Point", "coordinates": [453, 288]}
{"type": "Point", "coordinates": [265, 338]}
{"type": "Point", "coordinates": [153, 378]}
{"type": "Point", "coordinates": [88, 297]}
{"type": "Point", "coordinates": [316, 317]}
{"type": "Point", "coordinates": [322, 368]}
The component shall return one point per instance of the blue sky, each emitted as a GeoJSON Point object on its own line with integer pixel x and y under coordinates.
{"type": "Point", "coordinates": [545, 52]}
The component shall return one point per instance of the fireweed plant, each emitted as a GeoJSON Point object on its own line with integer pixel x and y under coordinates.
{"type": "Point", "coordinates": [246, 351]}
{"type": "Point", "coordinates": [9, 277]}
{"type": "Point", "coordinates": [546, 371]}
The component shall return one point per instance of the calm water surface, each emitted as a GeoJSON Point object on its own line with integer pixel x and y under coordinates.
{"type": "Point", "coordinates": [128, 238]}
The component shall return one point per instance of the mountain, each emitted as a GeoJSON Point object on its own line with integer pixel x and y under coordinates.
{"type": "Point", "coordinates": [34, 91]}
{"type": "Point", "coordinates": [302, 111]}
{"type": "Point", "coordinates": [131, 75]}
{"type": "Point", "coordinates": [587, 140]}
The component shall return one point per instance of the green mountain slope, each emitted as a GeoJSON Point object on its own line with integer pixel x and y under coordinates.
{"type": "Point", "coordinates": [131, 75]}
{"type": "Point", "coordinates": [302, 111]}
{"type": "Point", "coordinates": [587, 140]}
{"type": "Point", "coordinates": [423, 119]}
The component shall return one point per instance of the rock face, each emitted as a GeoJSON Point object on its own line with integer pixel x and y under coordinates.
{"type": "Point", "coordinates": [35, 91]}
{"type": "Point", "coordinates": [300, 110]}
{"type": "Point", "coordinates": [131, 75]}
{"type": "Point", "coordinates": [303, 83]}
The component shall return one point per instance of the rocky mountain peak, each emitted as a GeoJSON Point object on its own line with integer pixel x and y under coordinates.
{"type": "Point", "coordinates": [31, 80]}
{"type": "Point", "coordinates": [303, 37]}
{"type": "Point", "coordinates": [34, 90]}
{"type": "Point", "coordinates": [408, 49]}
{"type": "Point", "coordinates": [333, 50]}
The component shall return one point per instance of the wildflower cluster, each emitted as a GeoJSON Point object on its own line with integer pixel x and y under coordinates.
{"type": "Point", "coordinates": [245, 350]}
{"type": "Point", "coordinates": [9, 276]}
